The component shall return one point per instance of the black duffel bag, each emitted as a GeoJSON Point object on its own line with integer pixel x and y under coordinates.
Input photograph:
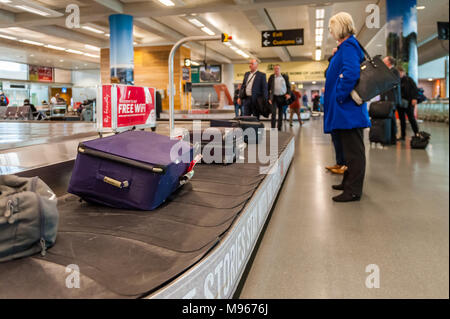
{"type": "Point", "coordinates": [375, 79]}
{"type": "Point", "coordinates": [381, 109]}
{"type": "Point", "coordinates": [420, 141]}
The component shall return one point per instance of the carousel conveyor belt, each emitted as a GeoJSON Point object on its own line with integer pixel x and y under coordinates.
{"type": "Point", "coordinates": [131, 254]}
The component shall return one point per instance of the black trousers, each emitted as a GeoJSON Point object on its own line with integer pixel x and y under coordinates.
{"type": "Point", "coordinates": [410, 113]}
{"type": "Point", "coordinates": [355, 159]}
{"type": "Point", "coordinates": [250, 107]}
{"type": "Point", "coordinates": [393, 129]}
{"type": "Point", "coordinates": [279, 101]}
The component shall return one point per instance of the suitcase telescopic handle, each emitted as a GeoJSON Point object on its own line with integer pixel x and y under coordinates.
{"type": "Point", "coordinates": [115, 182]}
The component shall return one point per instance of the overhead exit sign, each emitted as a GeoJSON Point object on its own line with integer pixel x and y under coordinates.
{"type": "Point", "coordinates": [281, 38]}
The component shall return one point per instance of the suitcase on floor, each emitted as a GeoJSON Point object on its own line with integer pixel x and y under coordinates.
{"type": "Point", "coordinates": [380, 132]}
{"type": "Point", "coordinates": [254, 133]}
{"type": "Point", "coordinates": [218, 145]}
{"type": "Point", "coordinates": [380, 109]}
{"type": "Point", "coordinates": [131, 170]}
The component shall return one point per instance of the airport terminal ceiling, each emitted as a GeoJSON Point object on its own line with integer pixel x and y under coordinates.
{"type": "Point", "coordinates": [54, 44]}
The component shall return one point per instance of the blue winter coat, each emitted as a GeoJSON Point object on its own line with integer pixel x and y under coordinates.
{"type": "Point", "coordinates": [340, 111]}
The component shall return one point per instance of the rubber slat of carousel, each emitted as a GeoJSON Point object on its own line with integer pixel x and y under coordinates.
{"type": "Point", "coordinates": [129, 254]}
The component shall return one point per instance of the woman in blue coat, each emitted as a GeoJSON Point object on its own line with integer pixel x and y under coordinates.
{"type": "Point", "coordinates": [342, 116]}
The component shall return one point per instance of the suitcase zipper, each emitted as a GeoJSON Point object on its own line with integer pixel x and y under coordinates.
{"type": "Point", "coordinates": [41, 217]}
{"type": "Point", "coordinates": [155, 169]}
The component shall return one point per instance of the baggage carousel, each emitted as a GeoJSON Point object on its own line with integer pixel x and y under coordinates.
{"type": "Point", "coordinates": [196, 245]}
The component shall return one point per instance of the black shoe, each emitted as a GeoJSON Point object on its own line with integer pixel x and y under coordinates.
{"type": "Point", "coordinates": [346, 197]}
{"type": "Point", "coordinates": [339, 187]}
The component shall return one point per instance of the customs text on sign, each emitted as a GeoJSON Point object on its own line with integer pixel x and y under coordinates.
{"type": "Point", "coordinates": [281, 38]}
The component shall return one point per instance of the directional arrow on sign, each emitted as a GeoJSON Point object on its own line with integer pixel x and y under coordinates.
{"type": "Point", "coordinates": [266, 43]}
{"type": "Point", "coordinates": [266, 35]}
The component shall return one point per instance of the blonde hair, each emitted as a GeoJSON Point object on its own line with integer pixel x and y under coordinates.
{"type": "Point", "coordinates": [341, 25]}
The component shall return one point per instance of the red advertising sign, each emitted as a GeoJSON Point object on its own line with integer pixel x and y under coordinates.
{"type": "Point", "coordinates": [125, 106]}
{"type": "Point", "coordinates": [135, 105]}
{"type": "Point", "coordinates": [106, 106]}
{"type": "Point", "coordinates": [40, 73]}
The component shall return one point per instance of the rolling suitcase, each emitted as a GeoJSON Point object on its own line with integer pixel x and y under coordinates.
{"type": "Point", "coordinates": [246, 118]}
{"type": "Point", "coordinates": [218, 145]}
{"type": "Point", "coordinates": [380, 132]}
{"type": "Point", "coordinates": [381, 109]}
{"type": "Point", "coordinates": [254, 133]}
{"type": "Point", "coordinates": [131, 170]}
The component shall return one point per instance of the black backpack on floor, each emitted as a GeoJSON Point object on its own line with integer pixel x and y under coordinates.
{"type": "Point", "coordinates": [421, 141]}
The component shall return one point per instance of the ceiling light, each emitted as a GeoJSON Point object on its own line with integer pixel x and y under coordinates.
{"type": "Point", "coordinates": [167, 3]}
{"type": "Point", "coordinates": [314, 82]}
{"type": "Point", "coordinates": [208, 31]}
{"type": "Point", "coordinates": [31, 42]}
{"type": "Point", "coordinates": [55, 47]}
{"type": "Point", "coordinates": [61, 60]}
{"type": "Point", "coordinates": [135, 43]}
{"type": "Point", "coordinates": [107, 34]}
{"type": "Point", "coordinates": [319, 31]}
{"type": "Point", "coordinates": [91, 55]}
{"type": "Point", "coordinates": [318, 54]}
{"type": "Point", "coordinates": [7, 37]}
{"type": "Point", "coordinates": [420, 7]}
{"type": "Point", "coordinates": [318, 44]}
{"type": "Point", "coordinates": [319, 38]}
{"type": "Point", "coordinates": [320, 13]}
{"type": "Point", "coordinates": [319, 24]}
{"type": "Point", "coordinates": [430, 79]}
{"type": "Point", "coordinates": [195, 63]}
{"type": "Point", "coordinates": [33, 10]}
{"type": "Point", "coordinates": [91, 47]}
{"type": "Point", "coordinates": [74, 51]}
{"type": "Point", "coordinates": [92, 29]}
{"type": "Point", "coordinates": [196, 23]}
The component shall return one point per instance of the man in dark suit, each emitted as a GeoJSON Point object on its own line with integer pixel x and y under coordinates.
{"type": "Point", "coordinates": [253, 87]}
{"type": "Point", "coordinates": [394, 95]}
{"type": "Point", "coordinates": [279, 93]}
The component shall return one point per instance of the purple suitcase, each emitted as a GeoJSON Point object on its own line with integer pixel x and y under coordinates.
{"type": "Point", "coordinates": [131, 170]}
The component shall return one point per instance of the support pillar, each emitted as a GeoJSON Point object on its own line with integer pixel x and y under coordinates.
{"type": "Point", "coordinates": [121, 53]}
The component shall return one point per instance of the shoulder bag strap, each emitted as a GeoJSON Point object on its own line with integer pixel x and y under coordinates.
{"type": "Point", "coordinates": [366, 54]}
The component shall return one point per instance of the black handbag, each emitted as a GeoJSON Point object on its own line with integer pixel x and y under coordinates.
{"type": "Point", "coordinates": [375, 79]}
{"type": "Point", "coordinates": [264, 108]}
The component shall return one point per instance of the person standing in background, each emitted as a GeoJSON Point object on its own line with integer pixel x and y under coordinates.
{"type": "Point", "coordinates": [254, 86]}
{"type": "Point", "coordinates": [4, 101]}
{"type": "Point", "coordinates": [305, 99]}
{"type": "Point", "coordinates": [295, 106]}
{"type": "Point", "coordinates": [341, 114]}
{"type": "Point", "coordinates": [394, 96]}
{"type": "Point", "coordinates": [409, 101]}
{"type": "Point", "coordinates": [279, 91]}
{"type": "Point", "coordinates": [237, 108]}
{"type": "Point", "coordinates": [54, 99]}
{"type": "Point", "coordinates": [321, 100]}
